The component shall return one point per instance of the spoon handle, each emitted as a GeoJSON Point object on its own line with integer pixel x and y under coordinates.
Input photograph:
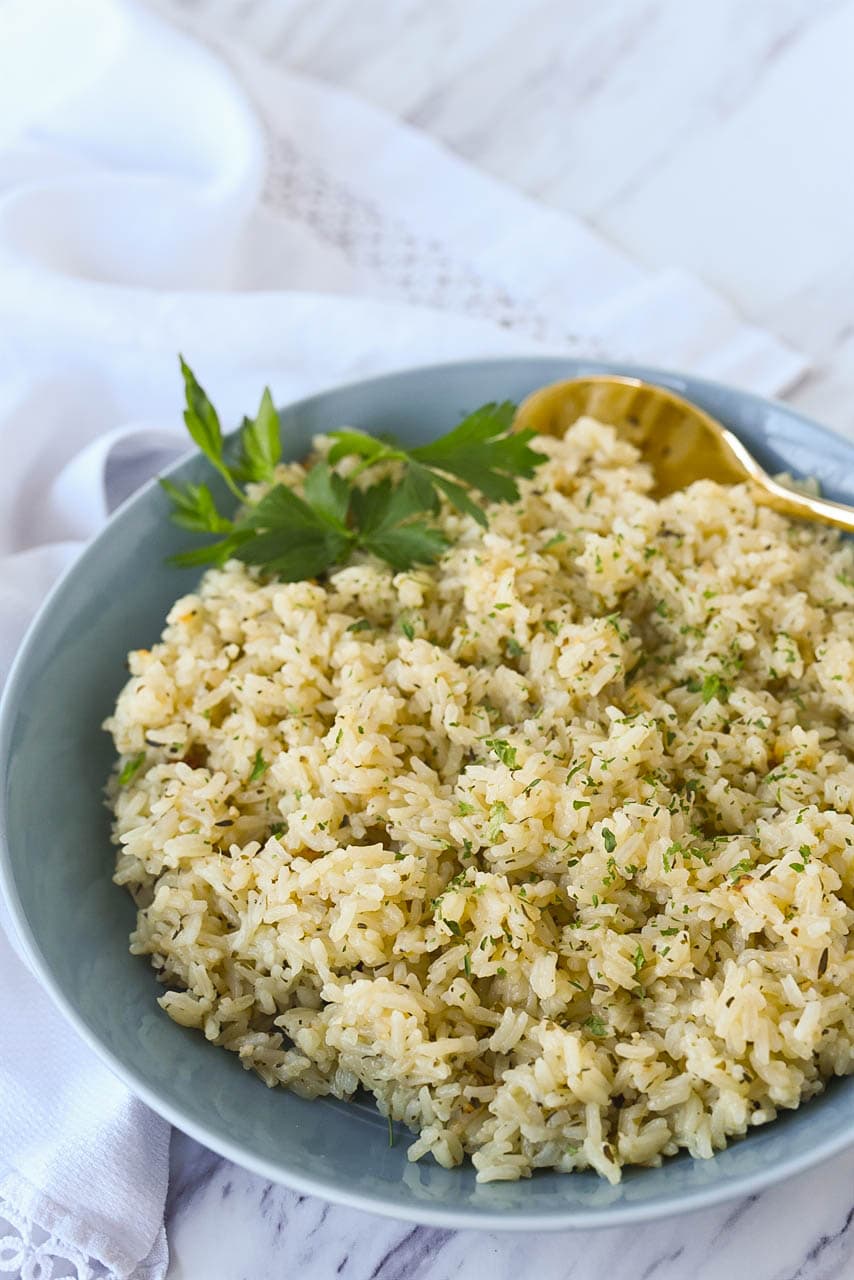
{"type": "Point", "coordinates": [802, 506]}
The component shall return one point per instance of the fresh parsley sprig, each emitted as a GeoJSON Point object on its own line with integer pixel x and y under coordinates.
{"type": "Point", "coordinates": [202, 422]}
{"type": "Point", "coordinates": [482, 451]}
{"type": "Point", "coordinates": [293, 536]}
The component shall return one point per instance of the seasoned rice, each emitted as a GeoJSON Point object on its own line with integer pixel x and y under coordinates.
{"type": "Point", "coordinates": [549, 847]}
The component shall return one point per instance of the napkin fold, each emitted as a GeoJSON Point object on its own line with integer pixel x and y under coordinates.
{"type": "Point", "coordinates": [154, 199]}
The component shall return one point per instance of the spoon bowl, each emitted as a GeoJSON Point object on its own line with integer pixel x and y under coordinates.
{"type": "Point", "coordinates": [680, 442]}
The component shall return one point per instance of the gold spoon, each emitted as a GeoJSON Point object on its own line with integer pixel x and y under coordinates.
{"type": "Point", "coordinates": [680, 442]}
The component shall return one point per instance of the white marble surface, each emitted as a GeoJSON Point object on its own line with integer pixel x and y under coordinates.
{"type": "Point", "coordinates": [225, 1224]}
{"type": "Point", "coordinates": [710, 136]}
{"type": "Point", "coordinates": [714, 137]}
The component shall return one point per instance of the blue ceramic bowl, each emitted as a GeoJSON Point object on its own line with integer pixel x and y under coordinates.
{"type": "Point", "coordinates": [57, 859]}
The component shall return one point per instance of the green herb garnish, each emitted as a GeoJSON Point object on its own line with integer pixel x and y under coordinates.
{"type": "Point", "coordinates": [259, 767]}
{"type": "Point", "coordinates": [131, 768]}
{"type": "Point", "coordinates": [609, 840]}
{"type": "Point", "coordinates": [711, 686]}
{"type": "Point", "coordinates": [596, 1026]}
{"type": "Point", "coordinates": [669, 856]}
{"type": "Point", "coordinates": [294, 536]}
{"type": "Point", "coordinates": [497, 814]}
{"type": "Point", "coordinates": [506, 754]}
{"type": "Point", "coordinates": [202, 422]}
{"type": "Point", "coordinates": [260, 444]}
{"type": "Point", "coordinates": [193, 507]}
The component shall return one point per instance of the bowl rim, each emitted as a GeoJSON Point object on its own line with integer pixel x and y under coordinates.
{"type": "Point", "coordinates": [24, 940]}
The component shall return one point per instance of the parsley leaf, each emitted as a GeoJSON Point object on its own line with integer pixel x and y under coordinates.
{"type": "Point", "coordinates": [131, 768]}
{"type": "Point", "coordinates": [711, 686]}
{"type": "Point", "coordinates": [669, 855]}
{"type": "Point", "coordinates": [292, 539]}
{"type": "Point", "coordinates": [497, 814]}
{"type": "Point", "coordinates": [351, 443]}
{"type": "Point", "coordinates": [202, 422]}
{"type": "Point", "coordinates": [211, 552]}
{"type": "Point", "coordinates": [383, 519]}
{"type": "Point", "coordinates": [193, 507]}
{"type": "Point", "coordinates": [260, 442]}
{"type": "Point", "coordinates": [506, 754]}
{"type": "Point", "coordinates": [201, 417]}
{"type": "Point", "coordinates": [406, 545]}
{"type": "Point", "coordinates": [484, 452]}
{"type": "Point", "coordinates": [259, 767]}
{"type": "Point", "coordinates": [455, 494]}
{"type": "Point", "coordinates": [387, 504]}
{"type": "Point", "coordinates": [609, 840]}
{"type": "Point", "coordinates": [328, 495]}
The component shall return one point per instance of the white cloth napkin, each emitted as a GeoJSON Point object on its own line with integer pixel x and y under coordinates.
{"type": "Point", "coordinates": [274, 230]}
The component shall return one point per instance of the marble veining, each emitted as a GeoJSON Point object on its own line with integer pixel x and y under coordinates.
{"type": "Point", "coordinates": [712, 137]}
{"type": "Point", "coordinates": [707, 136]}
{"type": "Point", "coordinates": [226, 1224]}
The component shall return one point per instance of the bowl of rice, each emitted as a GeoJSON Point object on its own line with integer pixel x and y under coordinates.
{"type": "Point", "coordinates": [514, 890]}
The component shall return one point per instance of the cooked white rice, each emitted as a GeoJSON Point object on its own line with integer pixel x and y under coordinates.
{"type": "Point", "coordinates": [548, 847]}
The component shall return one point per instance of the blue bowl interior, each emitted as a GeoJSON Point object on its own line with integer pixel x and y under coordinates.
{"type": "Point", "coordinates": [58, 858]}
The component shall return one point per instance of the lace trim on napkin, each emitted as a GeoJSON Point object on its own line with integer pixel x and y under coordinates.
{"type": "Point", "coordinates": [29, 1252]}
{"type": "Point", "coordinates": [420, 270]}
{"type": "Point", "coordinates": [35, 1246]}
